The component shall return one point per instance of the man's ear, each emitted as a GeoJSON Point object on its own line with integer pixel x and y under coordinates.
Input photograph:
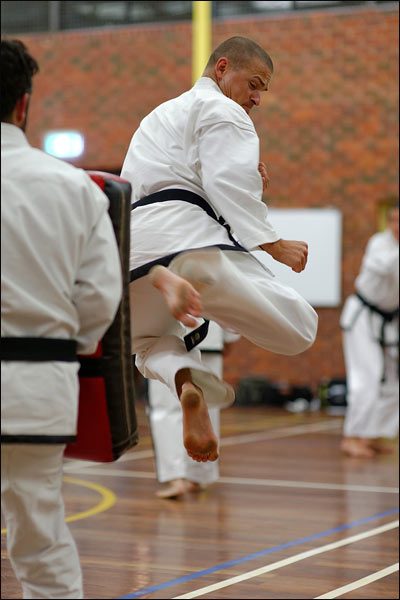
{"type": "Point", "coordinates": [221, 66]}
{"type": "Point", "coordinates": [21, 109]}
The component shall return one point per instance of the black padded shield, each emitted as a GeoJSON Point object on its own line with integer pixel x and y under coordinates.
{"type": "Point", "coordinates": [107, 423]}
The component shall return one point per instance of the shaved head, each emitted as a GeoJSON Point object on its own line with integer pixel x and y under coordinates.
{"type": "Point", "coordinates": [240, 51]}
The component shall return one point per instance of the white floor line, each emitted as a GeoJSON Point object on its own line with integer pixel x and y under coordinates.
{"type": "Point", "coordinates": [360, 582]}
{"type": "Point", "coordinates": [283, 432]}
{"type": "Point", "coordinates": [226, 441]}
{"type": "Point", "coordinates": [288, 561]}
{"type": "Point", "coordinates": [309, 484]}
{"type": "Point", "coordinates": [113, 472]}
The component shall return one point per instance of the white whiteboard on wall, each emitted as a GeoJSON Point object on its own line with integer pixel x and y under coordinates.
{"type": "Point", "coordinates": [321, 228]}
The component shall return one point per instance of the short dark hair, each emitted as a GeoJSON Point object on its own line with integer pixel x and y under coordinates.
{"type": "Point", "coordinates": [240, 51]}
{"type": "Point", "coordinates": [17, 67]}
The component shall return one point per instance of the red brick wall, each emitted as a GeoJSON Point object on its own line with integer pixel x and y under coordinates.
{"type": "Point", "coordinates": [328, 126]}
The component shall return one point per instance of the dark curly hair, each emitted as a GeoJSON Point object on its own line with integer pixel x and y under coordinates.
{"type": "Point", "coordinates": [17, 67]}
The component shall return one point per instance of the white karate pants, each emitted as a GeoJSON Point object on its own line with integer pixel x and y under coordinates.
{"type": "Point", "coordinates": [165, 415]}
{"type": "Point", "coordinates": [40, 546]}
{"type": "Point", "coordinates": [238, 293]}
{"type": "Point", "coordinates": [373, 405]}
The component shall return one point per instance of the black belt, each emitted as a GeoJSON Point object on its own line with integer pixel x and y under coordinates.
{"type": "Point", "coordinates": [32, 349]}
{"type": "Point", "coordinates": [197, 335]}
{"type": "Point", "coordinates": [191, 198]}
{"type": "Point", "coordinates": [387, 316]}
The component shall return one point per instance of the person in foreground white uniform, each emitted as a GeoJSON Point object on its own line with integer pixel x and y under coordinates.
{"type": "Point", "coordinates": [193, 165]}
{"type": "Point", "coordinates": [61, 287]}
{"type": "Point", "coordinates": [370, 323]}
{"type": "Point", "coordinates": [176, 471]}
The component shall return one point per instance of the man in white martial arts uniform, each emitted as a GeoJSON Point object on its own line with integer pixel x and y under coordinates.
{"type": "Point", "coordinates": [61, 287]}
{"type": "Point", "coordinates": [370, 320]}
{"type": "Point", "coordinates": [176, 471]}
{"type": "Point", "coordinates": [198, 210]}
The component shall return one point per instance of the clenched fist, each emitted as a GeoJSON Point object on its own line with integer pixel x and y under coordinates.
{"type": "Point", "coordinates": [292, 253]}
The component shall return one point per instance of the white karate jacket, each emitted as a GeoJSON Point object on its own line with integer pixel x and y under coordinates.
{"type": "Point", "coordinates": [60, 278]}
{"type": "Point", "coordinates": [378, 280]}
{"type": "Point", "coordinates": [206, 143]}
{"type": "Point", "coordinates": [378, 283]}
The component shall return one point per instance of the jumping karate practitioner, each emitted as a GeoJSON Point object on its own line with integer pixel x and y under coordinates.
{"type": "Point", "coordinates": [176, 471]}
{"type": "Point", "coordinates": [197, 212]}
{"type": "Point", "coordinates": [61, 287]}
{"type": "Point", "coordinates": [370, 320]}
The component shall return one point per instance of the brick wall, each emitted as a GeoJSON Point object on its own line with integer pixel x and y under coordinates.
{"type": "Point", "coordinates": [328, 126]}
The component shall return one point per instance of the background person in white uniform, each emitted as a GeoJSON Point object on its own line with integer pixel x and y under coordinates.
{"type": "Point", "coordinates": [193, 164]}
{"type": "Point", "coordinates": [370, 320]}
{"type": "Point", "coordinates": [176, 471]}
{"type": "Point", "coordinates": [61, 287]}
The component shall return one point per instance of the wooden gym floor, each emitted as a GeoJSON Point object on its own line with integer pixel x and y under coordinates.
{"type": "Point", "coordinates": [289, 518]}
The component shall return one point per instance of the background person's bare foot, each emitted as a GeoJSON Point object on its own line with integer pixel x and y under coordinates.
{"type": "Point", "coordinates": [199, 438]}
{"type": "Point", "coordinates": [178, 487]}
{"type": "Point", "coordinates": [357, 447]}
{"type": "Point", "coordinates": [380, 446]}
{"type": "Point", "coordinates": [182, 298]}
{"type": "Point", "coordinates": [195, 487]}
{"type": "Point", "coordinates": [173, 489]}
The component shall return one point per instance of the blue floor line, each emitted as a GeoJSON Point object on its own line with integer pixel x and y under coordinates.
{"type": "Point", "coordinates": [248, 557]}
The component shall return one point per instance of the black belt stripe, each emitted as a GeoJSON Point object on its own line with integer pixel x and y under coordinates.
{"type": "Point", "coordinates": [387, 315]}
{"type": "Point", "coordinates": [165, 260]}
{"type": "Point", "coordinates": [32, 349]}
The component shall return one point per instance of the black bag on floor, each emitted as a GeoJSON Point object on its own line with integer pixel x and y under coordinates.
{"type": "Point", "coordinates": [257, 391]}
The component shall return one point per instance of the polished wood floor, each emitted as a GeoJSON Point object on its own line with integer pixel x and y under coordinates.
{"type": "Point", "coordinates": [290, 518]}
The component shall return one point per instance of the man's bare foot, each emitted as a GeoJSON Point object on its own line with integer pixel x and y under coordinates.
{"type": "Point", "coordinates": [182, 298]}
{"type": "Point", "coordinates": [380, 446]}
{"type": "Point", "coordinates": [199, 438]}
{"type": "Point", "coordinates": [357, 447]}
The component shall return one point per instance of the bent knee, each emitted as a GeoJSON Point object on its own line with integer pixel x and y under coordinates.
{"type": "Point", "coordinates": [305, 338]}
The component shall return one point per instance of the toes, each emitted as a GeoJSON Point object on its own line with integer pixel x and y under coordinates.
{"type": "Point", "coordinates": [187, 320]}
{"type": "Point", "coordinates": [210, 456]}
{"type": "Point", "coordinates": [198, 457]}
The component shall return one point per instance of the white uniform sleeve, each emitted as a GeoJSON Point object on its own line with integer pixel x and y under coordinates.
{"type": "Point", "coordinates": [229, 157]}
{"type": "Point", "coordinates": [230, 337]}
{"type": "Point", "coordinates": [98, 288]}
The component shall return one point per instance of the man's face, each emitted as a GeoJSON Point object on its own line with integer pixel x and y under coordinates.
{"type": "Point", "coordinates": [243, 85]}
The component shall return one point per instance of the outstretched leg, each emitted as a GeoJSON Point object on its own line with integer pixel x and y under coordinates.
{"type": "Point", "coordinates": [199, 438]}
{"type": "Point", "coordinates": [182, 298]}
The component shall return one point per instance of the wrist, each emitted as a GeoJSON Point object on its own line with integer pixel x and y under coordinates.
{"type": "Point", "coordinates": [270, 247]}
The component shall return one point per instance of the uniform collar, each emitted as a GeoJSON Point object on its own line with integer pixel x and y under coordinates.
{"type": "Point", "coordinates": [11, 135]}
{"type": "Point", "coordinates": [207, 83]}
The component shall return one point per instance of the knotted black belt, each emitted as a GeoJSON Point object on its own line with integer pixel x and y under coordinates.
{"type": "Point", "coordinates": [387, 316]}
{"type": "Point", "coordinates": [197, 335]}
{"type": "Point", "coordinates": [191, 198]}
